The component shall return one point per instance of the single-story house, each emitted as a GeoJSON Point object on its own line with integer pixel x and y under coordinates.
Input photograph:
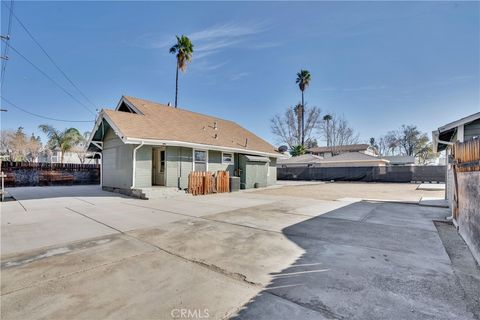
{"type": "Point", "coordinates": [337, 150]}
{"type": "Point", "coordinates": [444, 138]}
{"type": "Point", "coordinates": [462, 186]}
{"type": "Point", "coordinates": [145, 144]}
{"type": "Point", "coordinates": [349, 159]}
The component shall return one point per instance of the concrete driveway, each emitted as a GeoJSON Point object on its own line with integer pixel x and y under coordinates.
{"type": "Point", "coordinates": [80, 253]}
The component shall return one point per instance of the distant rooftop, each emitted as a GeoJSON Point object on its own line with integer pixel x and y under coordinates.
{"type": "Point", "coordinates": [345, 148]}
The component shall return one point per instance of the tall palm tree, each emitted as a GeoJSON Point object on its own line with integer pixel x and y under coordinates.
{"type": "Point", "coordinates": [327, 118]}
{"type": "Point", "coordinates": [184, 51]}
{"type": "Point", "coordinates": [64, 140]}
{"type": "Point", "coordinates": [303, 80]}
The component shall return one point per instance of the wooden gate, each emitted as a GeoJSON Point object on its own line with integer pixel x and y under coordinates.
{"type": "Point", "coordinates": [202, 182]}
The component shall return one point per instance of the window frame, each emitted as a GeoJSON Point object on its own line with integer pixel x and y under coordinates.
{"type": "Point", "coordinates": [232, 158]}
{"type": "Point", "coordinates": [206, 158]}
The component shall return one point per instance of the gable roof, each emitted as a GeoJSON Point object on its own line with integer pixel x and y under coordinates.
{"type": "Point", "coordinates": [400, 159]}
{"type": "Point", "coordinates": [153, 123]}
{"type": "Point", "coordinates": [446, 133]}
{"type": "Point", "coordinates": [304, 158]}
{"type": "Point", "coordinates": [345, 148]}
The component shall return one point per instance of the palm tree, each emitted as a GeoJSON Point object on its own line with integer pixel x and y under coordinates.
{"type": "Point", "coordinates": [327, 118]}
{"type": "Point", "coordinates": [184, 51]}
{"type": "Point", "coordinates": [64, 140]}
{"type": "Point", "coordinates": [303, 80]}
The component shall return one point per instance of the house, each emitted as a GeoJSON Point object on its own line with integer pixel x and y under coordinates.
{"type": "Point", "coordinates": [348, 159]}
{"type": "Point", "coordinates": [144, 144]}
{"type": "Point", "coordinates": [463, 175]}
{"type": "Point", "coordinates": [336, 150]}
{"type": "Point", "coordinates": [444, 138]}
{"type": "Point", "coordinates": [400, 160]}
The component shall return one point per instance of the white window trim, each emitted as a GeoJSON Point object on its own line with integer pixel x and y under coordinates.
{"type": "Point", "coordinates": [233, 158]}
{"type": "Point", "coordinates": [206, 158]}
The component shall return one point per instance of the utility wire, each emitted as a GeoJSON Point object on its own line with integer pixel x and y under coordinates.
{"type": "Point", "coordinates": [51, 79]}
{"type": "Point", "coordinates": [5, 51]}
{"type": "Point", "coordinates": [51, 59]}
{"type": "Point", "coordinates": [40, 116]}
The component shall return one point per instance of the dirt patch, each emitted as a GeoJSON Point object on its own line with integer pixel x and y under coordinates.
{"type": "Point", "coordinates": [337, 190]}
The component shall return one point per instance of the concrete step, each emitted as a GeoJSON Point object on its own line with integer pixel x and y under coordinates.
{"type": "Point", "coordinates": [161, 192]}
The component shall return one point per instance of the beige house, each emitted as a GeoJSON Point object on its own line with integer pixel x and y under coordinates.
{"type": "Point", "coordinates": [326, 152]}
{"type": "Point", "coordinates": [144, 144]}
{"type": "Point", "coordinates": [348, 159]}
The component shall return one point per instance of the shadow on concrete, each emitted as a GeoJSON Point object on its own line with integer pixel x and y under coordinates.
{"type": "Point", "coordinates": [32, 193]}
{"type": "Point", "coordinates": [357, 266]}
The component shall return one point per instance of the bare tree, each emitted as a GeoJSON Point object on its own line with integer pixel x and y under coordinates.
{"type": "Point", "coordinates": [18, 147]}
{"type": "Point", "coordinates": [288, 127]}
{"type": "Point", "coordinates": [338, 131]}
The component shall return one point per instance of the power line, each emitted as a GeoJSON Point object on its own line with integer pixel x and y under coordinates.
{"type": "Point", "coordinates": [6, 38]}
{"type": "Point", "coordinates": [40, 116]}
{"type": "Point", "coordinates": [51, 79]}
{"type": "Point", "coordinates": [51, 59]}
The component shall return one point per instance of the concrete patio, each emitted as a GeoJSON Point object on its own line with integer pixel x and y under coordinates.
{"type": "Point", "coordinates": [81, 253]}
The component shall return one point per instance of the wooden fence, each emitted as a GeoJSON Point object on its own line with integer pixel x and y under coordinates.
{"type": "Point", "coordinates": [201, 182]}
{"type": "Point", "coordinates": [467, 155]}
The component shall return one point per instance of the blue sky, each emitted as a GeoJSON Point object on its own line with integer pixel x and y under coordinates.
{"type": "Point", "coordinates": [379, 64]}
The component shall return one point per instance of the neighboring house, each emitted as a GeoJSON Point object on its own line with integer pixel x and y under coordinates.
{"type": "Point", "coordinates": [349, 159]}
{"type": "Point", "coordinates": [145, 144]}
{"type": "Point", "coordinates": [400, 160]}
{"type": "Point", "coordinates": [304, 158]}
{"type": "Point", "coordinates": [336, 150]}
{"type": "Point", "coordinates": [445, 137]}
{"type": "Point", "coordinates": [55, 156]}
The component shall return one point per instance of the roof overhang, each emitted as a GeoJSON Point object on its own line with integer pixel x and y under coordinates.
{"type": "Point", "coordinates": [154, 142]}
{"type": "Point", "coordinates": [443, 137]}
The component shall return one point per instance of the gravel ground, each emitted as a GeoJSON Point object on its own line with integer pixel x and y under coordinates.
{"type": "Point", "coordinates": [338, 190]}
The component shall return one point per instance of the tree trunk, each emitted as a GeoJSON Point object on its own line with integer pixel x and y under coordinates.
{"type": "Point", "coordinates": [176, 86]}
{"type": "Point", "coordinates": [303, 121]}
{"type": "Point", "coordinates": [61, 157]}
{"type": "Point", "coordinates": [328, 133]}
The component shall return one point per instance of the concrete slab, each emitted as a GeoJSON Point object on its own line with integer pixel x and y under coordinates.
{"type": "Point", "coordinates": [41, 228]}
{"type": "Point", "coordinates": [406, 216]}
{"type": "Point", "coordinates": [433, 202]}
{"type": "Point", "coordinates": [380, 236]}
{"type": "Point", "coordinates": [249, 253]}
{"type": "Point", "coordinates": [431, 186]}
{"type": "Point", "coordinates": [125, 217]}
{"type": "Point", "coordinates": [148, 286]}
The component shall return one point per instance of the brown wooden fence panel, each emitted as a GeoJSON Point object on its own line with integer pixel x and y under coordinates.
{"type": "Point", "coordinates": [201, 182]}
{"type": "Point", "coordinates": [467, 155]}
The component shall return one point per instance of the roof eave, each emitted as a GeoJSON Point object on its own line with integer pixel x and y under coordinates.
{"type": "Point", "coordinates": [173, 143]}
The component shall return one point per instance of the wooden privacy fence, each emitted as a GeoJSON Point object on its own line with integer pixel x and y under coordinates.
{"type": "Point", "coordinates": [467, 155]}
{"type": "Point", "coordinates": [202, 182]}
{"type": "Point", "coordinates": [466, 159]}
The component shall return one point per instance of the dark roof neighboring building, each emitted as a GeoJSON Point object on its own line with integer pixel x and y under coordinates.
{"type": "Point", "coordinates": [345, 148]}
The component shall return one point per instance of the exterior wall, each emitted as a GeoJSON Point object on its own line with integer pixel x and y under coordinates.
{"type": "Point", "coordinates": [471, 130]}
{"type": "Point", "coordinates": [215, 162]}
{"type": "Point", "coordinates": [179, 163]}
{"type": "Point", "coordinates": [272, 172]}
{"type": "Point", "coordinates": [143, 167]}
{"type": "Point", "coordinates": [117, 162]}
{"type": "Point", "coordinates": [469, 210]}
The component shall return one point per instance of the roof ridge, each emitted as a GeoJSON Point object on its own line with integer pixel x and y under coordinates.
{"type": "Point", "coordinates": [179, 109]}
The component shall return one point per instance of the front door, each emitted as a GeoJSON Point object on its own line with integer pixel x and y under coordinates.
{"type": "Point", "coordinates": [158, 167]}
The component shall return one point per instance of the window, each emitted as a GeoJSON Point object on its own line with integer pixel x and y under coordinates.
{"type": "Point", "coordinates": [227, 157]}
{"type": "Point", "coordinates": [200, 159]}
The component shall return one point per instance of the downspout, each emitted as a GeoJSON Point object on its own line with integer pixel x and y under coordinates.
{"type": "Point", "coordinates": [134, 167]}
